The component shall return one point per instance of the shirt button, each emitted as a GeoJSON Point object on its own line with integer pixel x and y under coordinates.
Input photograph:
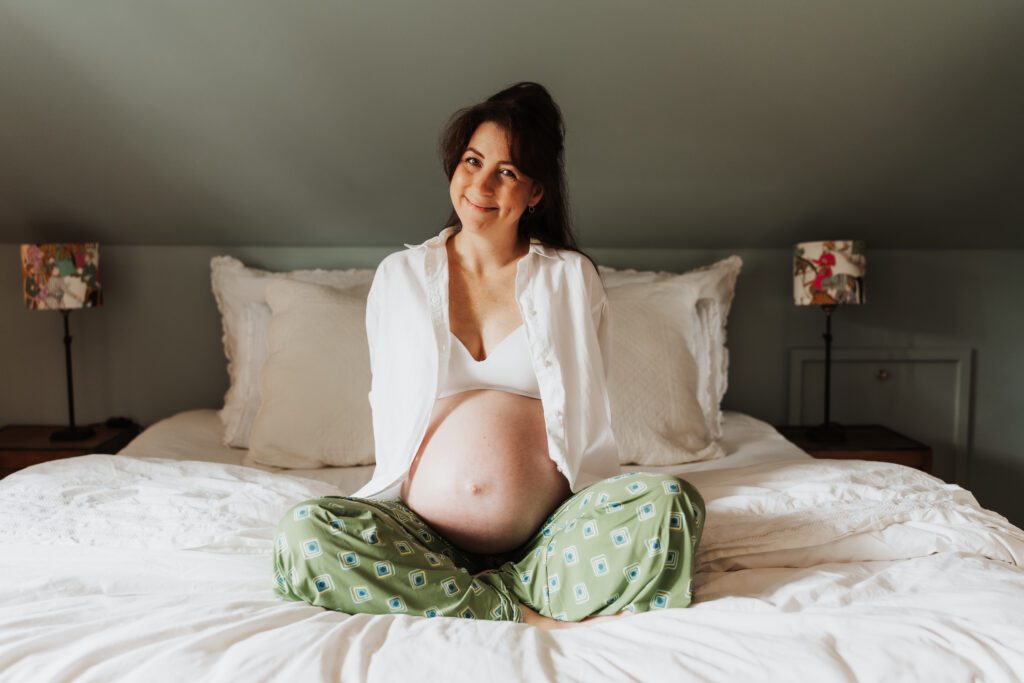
{"type": "Point", "coordinates": [546, 362]}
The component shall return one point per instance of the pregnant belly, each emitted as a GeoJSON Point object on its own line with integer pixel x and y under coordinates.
{"type": "Point", "coordinates": [482, 477]}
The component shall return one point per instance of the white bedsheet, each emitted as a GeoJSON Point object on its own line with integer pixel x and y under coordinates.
{"type": "Point", "coordinates": [196, 435]}
{"type": "Point", "coordinates": [120, 567]}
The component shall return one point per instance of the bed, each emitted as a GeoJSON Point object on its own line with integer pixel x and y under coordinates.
{"type": "Point", "coordinates": [154, 564]}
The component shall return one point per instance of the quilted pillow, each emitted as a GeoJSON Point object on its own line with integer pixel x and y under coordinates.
{"type": "Point", "coordinates": [654, 378]}
{"type": "Point", "coordinates": [711, 290]}
{"type": "Point", "coordinates": [313, 386]}
{"type": "Point", "coordinates": [240, 293]}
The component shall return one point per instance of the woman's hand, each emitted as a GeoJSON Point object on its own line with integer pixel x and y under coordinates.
{"type": "Point", "coordinates": [534, 619]}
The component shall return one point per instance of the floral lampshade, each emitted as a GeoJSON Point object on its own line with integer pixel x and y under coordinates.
{"type": "Point", "coordinates": [829, 273]}
{"type": "Point", "coordinates": [61, 276]}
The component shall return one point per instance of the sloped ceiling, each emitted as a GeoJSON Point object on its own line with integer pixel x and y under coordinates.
{"type": "Point", "coordinates": [690, 124]}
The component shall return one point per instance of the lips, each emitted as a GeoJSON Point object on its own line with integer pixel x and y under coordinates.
{"type": "Point", "coordinates": [478, 207]}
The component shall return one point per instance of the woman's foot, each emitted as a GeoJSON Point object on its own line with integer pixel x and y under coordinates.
{"type": "Point", "coordinates": [547, 623]}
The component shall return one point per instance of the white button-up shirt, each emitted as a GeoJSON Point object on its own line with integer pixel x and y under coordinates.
{"type": "Point", "coordinates": [565, 316]}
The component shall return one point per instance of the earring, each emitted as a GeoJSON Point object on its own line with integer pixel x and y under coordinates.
{"type": "Point", "coordinates": [533, 209]}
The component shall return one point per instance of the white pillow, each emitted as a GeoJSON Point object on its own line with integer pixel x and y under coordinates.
{"type": "Point", "coordinates": [240, 293]}
{"type": "Point", "coordinates": [653, 378]}
{"type": "Point", "coordinates": [652, 399]}
{"type": "Point", "coordinates": [711, 289]}
{"type": "Point", "coordinates": [314, 384]}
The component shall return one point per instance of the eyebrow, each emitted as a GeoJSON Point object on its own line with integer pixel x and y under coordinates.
{"type": "Point", "coordinates": [479, 153]}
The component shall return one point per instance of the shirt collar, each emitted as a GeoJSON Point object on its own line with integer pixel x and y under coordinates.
{"type": "Point", "coordinates": [536, 246]}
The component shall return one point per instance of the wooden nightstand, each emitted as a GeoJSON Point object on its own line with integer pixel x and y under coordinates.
{"type": "Point", "coordinates": [865, 442]}
{"type": "Point", "coordinates": [24, 445]}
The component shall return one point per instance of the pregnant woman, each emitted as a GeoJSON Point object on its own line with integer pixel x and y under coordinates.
{"type": "Point", "coordinates": [497, 492]}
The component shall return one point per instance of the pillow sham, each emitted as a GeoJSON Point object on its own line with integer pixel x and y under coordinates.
{"type": "Point", "coordinates": [713, 288]}
{"type": "Point", "coordinates": [314, 410]}
{"type": "Point", "coordinates": [669, 353]}
{"type": "Point", "coordinates": [240, 293]}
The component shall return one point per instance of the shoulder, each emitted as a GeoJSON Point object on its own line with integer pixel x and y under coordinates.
{"type": "Point", "coordinates": [569, 260]}
{"type": "Point", "coordinates": [397, 262]}
{"type": "Point", "coordinates": [580, 266]}
{"type": "Point", "coordinates": [392, 270]}
{"type": "Point", "coordinates": [577, 272]}
{"type": "Point", "coordinates": [402, 258]}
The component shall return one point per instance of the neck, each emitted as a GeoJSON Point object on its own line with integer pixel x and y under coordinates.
{"type": "Point", "coordinates": [480, 254]}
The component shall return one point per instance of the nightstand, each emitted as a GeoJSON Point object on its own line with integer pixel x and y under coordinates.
{"type": "Point", "coordinates": [865, 442]}
{"type": "Point", "coordinates": [25, 445]}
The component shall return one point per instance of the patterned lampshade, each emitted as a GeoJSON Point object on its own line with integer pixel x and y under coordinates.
{"type": "Point", "coordinates": [829, 273]}
{"type": "Point", "coordinates": [61, 276]}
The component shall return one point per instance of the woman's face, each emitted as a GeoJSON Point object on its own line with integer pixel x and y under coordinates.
{"type": "Point", "coordinates": [488, 192]}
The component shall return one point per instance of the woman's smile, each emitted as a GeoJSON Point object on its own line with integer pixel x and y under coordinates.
{"type": "Point", "coordinates": [478, 207]}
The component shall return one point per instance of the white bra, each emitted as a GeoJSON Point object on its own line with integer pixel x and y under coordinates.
{"type": "Point", "coordinates": [507, 368]}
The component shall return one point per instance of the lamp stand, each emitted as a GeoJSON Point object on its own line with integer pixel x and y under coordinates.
{"type": "Point", "coordinates": [72, 433]}
{"type": "Point", "coordinates": [828, 431]}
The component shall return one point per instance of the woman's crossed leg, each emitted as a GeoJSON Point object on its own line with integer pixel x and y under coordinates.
{"type": "Point", "coordinates": [623, 545]}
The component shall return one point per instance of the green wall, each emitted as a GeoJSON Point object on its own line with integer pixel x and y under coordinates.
{"type": "Point", "coordinates": [757, 124]}
{"type": "Point", "coordinates": [154, 348]}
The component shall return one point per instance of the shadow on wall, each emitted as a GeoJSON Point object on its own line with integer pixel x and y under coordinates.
{"type": "Point", "coordinates": [153, 172]}
{"type": "Point", "coordinates": [55, 228]}
{"type": "Point", "coordinates": [1001, 490]}
{"type": "Point", "coordinates": [918, 297]}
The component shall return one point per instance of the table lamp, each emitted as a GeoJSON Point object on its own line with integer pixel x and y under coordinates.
{"type": "Point", "coordinates": [828, 274]}
{"type": "Point", "coordinates": [63, 277]}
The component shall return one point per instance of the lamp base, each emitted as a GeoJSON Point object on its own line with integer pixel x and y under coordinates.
{"type": "Point", "coordinates": [827, 433]}
{"type": "Point", "coordinates": [73, 434]}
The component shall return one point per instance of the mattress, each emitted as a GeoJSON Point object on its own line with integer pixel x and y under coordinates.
{"type": "Point", "coordinates": [196, 435]}
{"type": "Point", "coordinates": [154, 565]}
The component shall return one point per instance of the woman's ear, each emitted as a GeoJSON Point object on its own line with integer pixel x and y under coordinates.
{"type": "Point", "coordinates": [537, 194]}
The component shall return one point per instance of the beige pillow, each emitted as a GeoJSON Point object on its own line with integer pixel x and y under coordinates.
{"type": "Point", "coordinates": [667, 345]}
{"type": "Point", "coordinates": [240, 293]}
{"type": "Point", "coordinates": [315, 381]}
{"type": "Point", "coordinates": [710, 290]}
{"type": "Point", "coordinates": [657, 333]}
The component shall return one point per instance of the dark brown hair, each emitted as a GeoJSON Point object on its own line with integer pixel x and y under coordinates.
{"type": "Point", "coordinates": [536, 133]}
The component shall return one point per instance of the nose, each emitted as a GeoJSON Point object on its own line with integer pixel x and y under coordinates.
{"type": "Point", "coordinates": [483, 183]}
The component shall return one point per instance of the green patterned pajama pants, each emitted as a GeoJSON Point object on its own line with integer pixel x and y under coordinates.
{"type": "Point", "coordinates": [624, 544]}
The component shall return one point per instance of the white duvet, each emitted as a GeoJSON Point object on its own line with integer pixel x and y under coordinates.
{"type": "Point", "coordinates": [117, 567]}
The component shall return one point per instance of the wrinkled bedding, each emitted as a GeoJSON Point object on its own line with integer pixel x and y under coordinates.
{"type": "Point", "coordinates": [131, 568]}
